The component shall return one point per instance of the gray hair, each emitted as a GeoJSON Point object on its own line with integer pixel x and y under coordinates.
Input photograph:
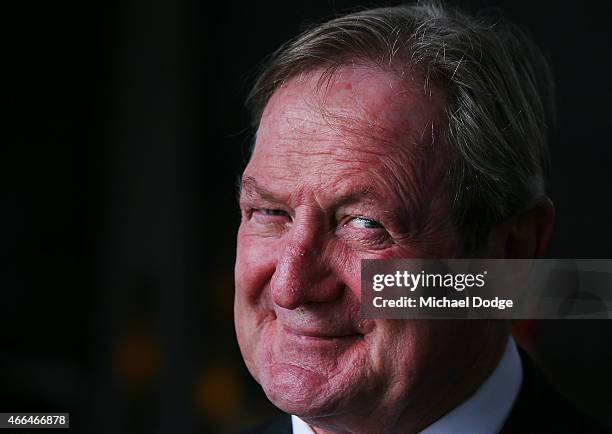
{"type": "Point", "coordinates": [500, 107]}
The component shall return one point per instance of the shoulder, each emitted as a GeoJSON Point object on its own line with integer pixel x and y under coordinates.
{"type": "Point", "coordinates": [540, 408]}
{"type": "Point", "coordinates": [279, 425]}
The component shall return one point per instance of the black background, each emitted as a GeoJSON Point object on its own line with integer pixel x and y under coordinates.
{"type": "Point", "coordinates": [124, 136]}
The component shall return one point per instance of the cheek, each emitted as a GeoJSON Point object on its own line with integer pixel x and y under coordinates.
{"type": "Point", "coordinates": [399, 350]}
{"type": "Point", "coordinates": [347, 266]}
{"type": "Point", "coordinates": [256, 259]}
{"type": "Point", "coordinates": [345, 259]}
{"type": "Point", "coordinates": [255, 264]}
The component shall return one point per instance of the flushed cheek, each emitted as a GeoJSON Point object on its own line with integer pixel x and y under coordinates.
{"type": "Point", "coordinates": [251, 326]}
{"type": "Point", "coordinates": [256, 259]}
{"type": "Point", "coordinates": [346, 259]}
{"type": "Point", "coordinates": [255, 264]}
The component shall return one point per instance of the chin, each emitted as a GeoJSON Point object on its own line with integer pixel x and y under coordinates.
{"type": "Point", "coordinates": [298, 391]}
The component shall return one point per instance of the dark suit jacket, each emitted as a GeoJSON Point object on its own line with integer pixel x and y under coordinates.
{"type": "Point", "coordinates": [539, 408]}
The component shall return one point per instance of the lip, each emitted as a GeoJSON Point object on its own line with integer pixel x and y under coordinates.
{"type": "Point", "coordinates": [319, 334]}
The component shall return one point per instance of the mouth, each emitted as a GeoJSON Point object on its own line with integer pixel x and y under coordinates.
{"type": "Point", "coordinates": [316, 334]}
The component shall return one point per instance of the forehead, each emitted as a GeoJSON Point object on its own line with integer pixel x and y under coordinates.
{"type": "Point", "coordinates": [356, 121]}
{"type": "Point", "coordinates": [354, 99]}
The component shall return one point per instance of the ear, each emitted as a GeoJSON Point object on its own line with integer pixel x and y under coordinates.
{"type": "Point", "coordinates": [525, 235]}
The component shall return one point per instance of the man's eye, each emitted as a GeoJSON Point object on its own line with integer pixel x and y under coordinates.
{"type": "Point", "coordinates": [267, 214]}
{"type": "Point", "coordinates": [273, 212]}
{"type": "Point", "coordinates": [364, 223]}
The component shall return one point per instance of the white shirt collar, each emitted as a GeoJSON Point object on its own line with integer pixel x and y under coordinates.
{"type": "Point", "coordinates": [486, 410]}
{"type": "Point", "coordinates": [299, 426]}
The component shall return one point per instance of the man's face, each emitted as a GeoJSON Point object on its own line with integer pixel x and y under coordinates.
{"type": "Point", "coordinates": [340, 173]}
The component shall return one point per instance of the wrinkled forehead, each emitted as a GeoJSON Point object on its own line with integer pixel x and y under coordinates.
{"type": "Point", "coordinates": [359, 128]}
{"type": "Point", "coordinates": [356, 107]}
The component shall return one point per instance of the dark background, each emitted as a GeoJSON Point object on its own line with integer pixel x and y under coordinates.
{"type": "Point", "coordinates": [124, 136]}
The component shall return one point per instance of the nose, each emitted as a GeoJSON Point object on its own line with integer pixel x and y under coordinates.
{"type": "Point", "coordinates": [303, 273]}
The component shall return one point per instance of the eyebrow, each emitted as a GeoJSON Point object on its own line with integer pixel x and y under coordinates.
{"type": "Point", "coordinates": [249, 186]}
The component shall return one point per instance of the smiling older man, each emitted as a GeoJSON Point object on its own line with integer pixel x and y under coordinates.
{"type": "Point", "coordinates": [407, 132]}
